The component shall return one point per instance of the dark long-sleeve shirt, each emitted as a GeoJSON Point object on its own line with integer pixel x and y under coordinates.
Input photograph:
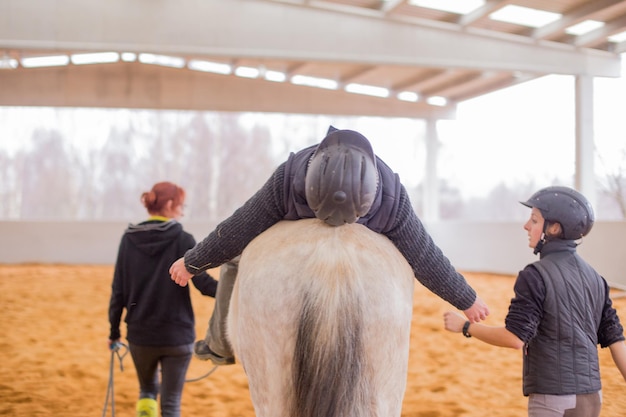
{"type": "Point", "coordinates": [269, 206]}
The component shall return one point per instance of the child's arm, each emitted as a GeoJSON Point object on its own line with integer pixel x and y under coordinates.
{"type": "Point", "coordinates": [497, 336]}
{"type": "Point", "coordinates": [618, 352]}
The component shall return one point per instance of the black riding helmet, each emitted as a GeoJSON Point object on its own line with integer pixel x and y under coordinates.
{"type": "Point", "coordinates": [341, 178]}
{"type": "Point", "coordinates": [566, 206]}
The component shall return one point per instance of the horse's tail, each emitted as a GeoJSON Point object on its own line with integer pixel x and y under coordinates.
{"type": "Point", "coordinates": [328, 358]}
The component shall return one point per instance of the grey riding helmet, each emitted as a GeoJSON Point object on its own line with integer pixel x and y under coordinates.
{"type": "Point", "coordinates": [341, 178]}
{"type": "Point", "coordinates": [566, 206]}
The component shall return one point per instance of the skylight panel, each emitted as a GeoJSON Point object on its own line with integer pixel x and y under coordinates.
{"type": "Point", "coordinates": [524, 16]}
{"type": "Point", "coordinates": [618, 37]}
{"type": "Point", "coordinates": [368, 90]}
{"type": "Point", "coordinates": [8, 63]}
{"type": "Point", "coordinates": [95, 58]}
{"type": "Point", "coordinates": [584, 27]}
{"type": "Point", "coordinates": [163, 60]}
{"type": "Point", "coordinates": [247, 72]}
{"type": "Point", "coordinates": [408, 96]}
{"type": "Point", "coordinates": [314, 82]}
{"type": "Point", "coordinates": [437, 101]}
{"type": "Point", "coordinates": [275, 76]}
{"type": "Point", "coordinates": [451, 6]}
{"type": "Point", "coordinates": [45, 61]}
{"type": "Point", "coordinates": [129, 56]}
{"type": "Point", "coordinates": [208, 66]}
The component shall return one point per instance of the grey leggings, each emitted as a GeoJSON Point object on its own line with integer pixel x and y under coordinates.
{"type": "Point", "coordinates": [174, 361]}
{"type": "Point", "coordinates": [216, 333]}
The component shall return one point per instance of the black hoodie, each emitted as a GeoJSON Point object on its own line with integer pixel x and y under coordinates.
{"type": "Point", "coordinates": [158, 311]}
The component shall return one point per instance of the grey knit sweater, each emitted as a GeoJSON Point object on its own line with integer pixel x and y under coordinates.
{"type": "Point", "coordinates": [267, 207]}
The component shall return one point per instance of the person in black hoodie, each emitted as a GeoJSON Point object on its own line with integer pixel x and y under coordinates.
{"type": "Point", "coordinates": [159, 315]}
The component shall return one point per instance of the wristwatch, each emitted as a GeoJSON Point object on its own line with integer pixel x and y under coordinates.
{"type": "Point", "coordinates": [466, 329]}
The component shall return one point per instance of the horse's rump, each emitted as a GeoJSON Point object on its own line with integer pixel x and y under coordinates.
{"type": "Point", "coordinates": [320, 319]}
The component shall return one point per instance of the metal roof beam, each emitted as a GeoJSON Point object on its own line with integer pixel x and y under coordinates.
{"type": "Point", "coordinates": [489, 7]}
{"type": "Point", "coordinates": [136, 85]}
{"type": "Point", "coordinates": [246, 28]}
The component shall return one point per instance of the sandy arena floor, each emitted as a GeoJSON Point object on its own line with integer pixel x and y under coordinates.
{"type": "Point", "coordinates": [55, 359]}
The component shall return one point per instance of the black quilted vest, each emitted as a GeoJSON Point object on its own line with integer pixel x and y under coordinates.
{"type": "Point", "coordinates": [562, 358]}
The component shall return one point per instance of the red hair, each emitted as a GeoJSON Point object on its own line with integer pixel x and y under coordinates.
{"type": "Point", "coordinates": [162, 192]}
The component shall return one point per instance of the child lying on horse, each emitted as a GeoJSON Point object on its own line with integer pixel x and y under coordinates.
{"type": "Point", "coordinates": [339, 181]}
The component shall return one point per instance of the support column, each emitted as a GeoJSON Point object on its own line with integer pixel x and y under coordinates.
{"type": "Point", "coordinates": [584, 176]}
{"type": "Point", "coordinates": [431, 181]}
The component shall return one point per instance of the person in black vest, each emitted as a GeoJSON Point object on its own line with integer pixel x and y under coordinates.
{"type": "Point", "coordinates": [560, 313]}
{"type": "Point", "coordinates": [159, 315]}
{"type": "Point", "coordinates": [339, 181]}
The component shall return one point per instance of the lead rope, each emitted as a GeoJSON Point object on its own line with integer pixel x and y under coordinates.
{"type": "Point", "coordinates": [203, 376]}
{"type": "Point", "coordinates": [115, 350]}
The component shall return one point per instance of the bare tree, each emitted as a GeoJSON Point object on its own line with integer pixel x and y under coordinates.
{"type": "Point", "coordinates": [48, 179]}
{"type": "Point", "coordinates": [613, 185]}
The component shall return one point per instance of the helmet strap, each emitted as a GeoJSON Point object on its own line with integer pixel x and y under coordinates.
{"type": "Point", "coordinates": [539, 245]}
{"type": "Point", "coordinates": [542, 239]}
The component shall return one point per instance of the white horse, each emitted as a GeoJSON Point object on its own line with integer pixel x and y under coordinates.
{"type": "Point", "coordinates": [320, 319]}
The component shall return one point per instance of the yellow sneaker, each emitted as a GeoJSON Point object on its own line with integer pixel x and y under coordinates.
{"type": "Point", "coordinates": [147, 407]}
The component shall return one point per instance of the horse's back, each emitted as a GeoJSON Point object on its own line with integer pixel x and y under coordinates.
{"type": "Point", "coordinates": [320, 320]}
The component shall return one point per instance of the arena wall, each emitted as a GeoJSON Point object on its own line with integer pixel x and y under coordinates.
{"type": "Point", "coordinates": [477, 247]}
{"type": "Point", "coordinates": [503, 247]}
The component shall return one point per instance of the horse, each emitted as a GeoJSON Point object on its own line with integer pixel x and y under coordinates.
{"type": "Point", "coordinates": [320, 320]}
